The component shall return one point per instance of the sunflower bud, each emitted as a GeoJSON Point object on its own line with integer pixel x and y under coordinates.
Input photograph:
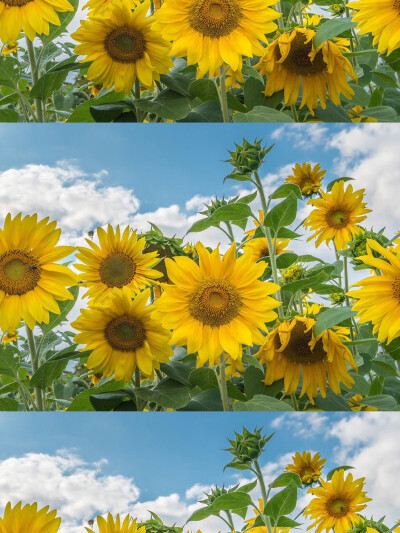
{"type": "Point", "coordinates": [247, 447]}
{"type": "Point", "coordinates": [293, 273]}
{"type": "Point", "coordinates": [165, 247]}
{"type": "Point", "coordinates": [364, 526]}
{"type": "Point", "coordinates": [337, 9]}
{"type": "Point", "coordinates": [358, 246]}
{"type": "Point", "coordinates": [337, 298]}
{"type": "Point", "coordinates": [248, 157]}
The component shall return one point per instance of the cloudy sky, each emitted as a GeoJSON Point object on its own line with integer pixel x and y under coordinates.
{"type": "Point", "coordinates": [89, 464]}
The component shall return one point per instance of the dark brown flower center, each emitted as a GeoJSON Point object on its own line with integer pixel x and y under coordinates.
{"type": "Point", "coordinates": [125, 45]}
{"type": "Point", "coordinates": [396, 289]}
{"type": "Point", "coordinates": [338, 507]}
{"type": "Point", "coordinates": [298, 60]}
{"type": "Point", "coordinates": [19, 272]}
{"type": "Point", "coordinates": [396, 5]}
{"type": "Point", "coordinates": [338, 218]}
{"type": "Point", "coordinates": [125, 333]}
{"type": "Point", "coordinates": [215, 18]}
{"type": "Point", "coordinates": [215, 302]}
{"type": "Point", "coordinates": [117, 270]}
{"type": "Point", "coordinates": [16, 3]}
{"type": "Point", "coordinates": [298, 349]}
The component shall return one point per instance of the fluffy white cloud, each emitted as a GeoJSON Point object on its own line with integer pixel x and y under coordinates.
{"type": "Point", "coordinates": [301, 137]}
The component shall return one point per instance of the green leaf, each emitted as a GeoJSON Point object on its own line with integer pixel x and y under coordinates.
{"type": "Point", "coordinates": [48, 84]}
{"type": "Point", "coordinates": [284, 190]}
{"type": "Point", "coordinates": [231, 501]}
{"type": "Point", "coordinates": [393, 349]}
{"type": "Point", "coordinates": [10, 72]}
{"type": "Point", "coordinates": [8, 115]}
{"type": "Point", "coordinates": [82, 401]}
{"type": "Point", "coordinates": [204, 89]}
{"type": "Point", "coordinates": [332, 28]}
{"type": "Point", "coordinates": [254, 95]}
{"type": "Point", "coordinates": [284, 479]}
{"type": "Point", "coordinates": [332, 183]}
{"type": "Point", "coordinates": [382, 402]}
{"type": "Point", "coordinates": [207, 400]}
{"type": "Point", "coordinates": [168, 105]}
{"type": "Point", "coordinates": [177, 82]}
{"type": "Point", "coordinates": [332, 402]}
{"type": "Point", "coordinates": [82, 112]}
{"type": "Point", "coordinates": [66, 307]}
{"type": "Point", "coordinates": [201, 514]}
{"type": "Point", "coordinates": [204, 378]}
{"type": "Point", "coordinates": [262, 403]}
{"type": "Point", "coordinates": [282, 214]}
{"type": "Point", "coordinates": [65, 19]}
{"type": "Point", "coordinates": [8, 404]}
{"type": "Point", "coordinates": [382, 113]}
{"type": "Point", "coordinates": [168, 394]}
{"type": "Point", "coordinates": [209, 111]}
{"type": "Point", "coordinates": [47, 373]}
{"type": "Point", "coordinates": [282, 503]}
{"type": "Point", "coordinates": [286, 259]}
{"type": "Point", "coordinates": [262, 114]}
{"type": "Point", "coordinates": [330, 474]}
{"type": "Point", "coordinates": [9, 362]}
{"type": "Point", "coordinates": [332, 317]}
{"type": "Point", "coordinates": [230, 212]}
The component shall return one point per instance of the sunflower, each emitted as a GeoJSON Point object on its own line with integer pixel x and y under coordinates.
{"type": "Point", "coordinates": [307, 467]}
{"type": "Point", "coordinates": [336, 503]}
{"type": "Point", "coordinates": [216, 306]}
{"type": "Point", "coordinates": [378, 299]}
{"type": "Point", "coordinates": [118, 262]}
{"type": "Point", "coordinates": [10, 48]}
{"type": "Point", "coordinates": [292, 347]}
{"type": "Point", "coordinates": [258, 248]}
{"type": "Point", "coordinates": [336, 215]}
{"type": "Point", "coordinates": [29, 519]}
{"type": "Point", "coordinates": [122, 47]}
{"type": "Point", "coordinates": [30, 16]}
{"type": "Point", "coordinates": [11, 336]}
{"type": "Point", "coordinates": [31, 282]}
{"type": "Point", "coordinates": [214, 32]}
{"type": "Point", "coordinates": [382, 19]}
{"type": "Point", "coordinates": [99, 7]}
{"type": "Point", "coordinates": [292, 58]}
{"type": "Point", "coordinates": [122, 336]}
{"type": "Point", "coordinates": [307, 178]}
{"type": "Point", "coordinates": [128, 525]}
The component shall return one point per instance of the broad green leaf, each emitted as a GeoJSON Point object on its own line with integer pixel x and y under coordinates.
{"type": "Point", "coordinates": [262, 114]}
{"type": "Point", "coordinates": [282, 214]}
{"type": "Point", "coordinates": [332, 28]}
{"type": "Point", "coordinates": [284, 479]}
{"type": "Point", "coordinates": [262, 403]}
{"type": "Point", "coordinates": [231, 501]}
{"type": "Point", "coordinates": [282, 503]}
{"type": "Point", "coordinates": [168, 394]}
{"type": "Point", "coordinates": [332, 317]}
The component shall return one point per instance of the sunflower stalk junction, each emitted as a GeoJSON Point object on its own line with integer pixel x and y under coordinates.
{"type": "Point", "coordinates": [34, 73]}
{"type": "Point", "coordinates": [222, 383]}
{"type": "Point", "coordinates": [222, 93]}
{"type": "Point", "coordinates": [35, 366]}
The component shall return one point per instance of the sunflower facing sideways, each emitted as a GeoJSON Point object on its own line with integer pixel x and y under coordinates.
{"type": "Point", "coordinates": [382, 19]}
{"type": "Point", "coordinates": [214, 32]}
{"type": "Point", "coordinates": [378, 296]}
{"type": "Point", "coordinates": [337, 503]}
{"type": "Point", "coordinates": [258, 248]}
{"type": "Point", "coordinates": [122, 336]}
{"type": "Point", "coordinates": [307, 467]}
{"type": "Point", "coordinates": [216, 306]}
{"type": "Point", "coordinates": [28, 519]}
{"type": "Point", "coordinates": [127, 525]}
{"type": "Point", "coordinates": [123, 47]}
{"type": "Point", "coordinates": [336, 215]}
{"type": "Point", "coordinates": [308, 178]}
{"type": "Point", "coordinates": [292, 347]}
{"type": "Point", "coordinates": [292, 59]}
{"type": "Point", "coordinates": [118, 261]}
{"type": "Point", "coordinates": [31, 280]}
{"type": "Point", "coordinates": [30, 16]}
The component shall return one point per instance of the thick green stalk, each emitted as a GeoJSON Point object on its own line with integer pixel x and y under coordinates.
{"type": "Point", "coordinates": [139, 405]}
{"type": "Point", "coordinates": [222, 383]}
{"type": "Point", "coordinates": [34, 74]}
{"type": "Point", "coordinates": [222, 94]}
{"type": "Point", "coordinates": [264, 493]}
{"type": "Point", "coordinates": [139, 115]}
{"type": "Point", "coordinates": [278, 7]}
{"type": "Point", "coordinates": [35, 365]}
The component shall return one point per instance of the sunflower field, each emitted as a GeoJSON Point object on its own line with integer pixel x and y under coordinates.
{"type": "Point", "coordinates": [336, 501]}
{"type": "Point", "coordinates": [147, 322]}
{"type": "Point", "coordinates": [199, 61]}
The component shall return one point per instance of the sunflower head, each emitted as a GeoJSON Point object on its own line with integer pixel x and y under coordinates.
{"type": "Point", "coordinates": [292, 348]}
{"type": "Point", "coordinates": [10, 336]}
{"type": "Point", "coordinates": [337, 502]}
{"type": "Point", "coordinates": [258, 248]}
{"type": "Point", "coordinates": [308, 178]}
{"type": "Point", "coordinates": [122, 335]}
{"type": "Point", "coordinates": [29, 519]}
{"type": "Point", "coordinates": [337, 298]}
{"type": "Point", "coordinates": [248, 446]}
{"type": "Point", "coordinates": [307, 466]}
{"type": "Point", "coordinates": [117, 525]}
{"type": "Point", "coordinates": [336, 215]}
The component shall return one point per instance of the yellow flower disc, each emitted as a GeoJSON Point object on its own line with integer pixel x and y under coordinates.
{"type": "Point", "coordinates": [29, 519]}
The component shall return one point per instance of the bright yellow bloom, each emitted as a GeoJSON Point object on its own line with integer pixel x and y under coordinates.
{"type": "Point", "coordinates": [11, 336]}
{"type": "Point", "coordinates": [307, 178]}
{"type": "Point", "coordinates": [307, 467]}
{"type": "Point", "coordinates": [99, 7]}
{"type": "Point", "coordinates": [118, 262]}
{"type": "Point", "coordinates": [216, 306]}
{"type": "Point", "coordinates": [378, 300]}
{"type": "Point", "coordinates": [123, 336]}
{"type": "Point", "coordinates": [127, 525]}
{"type": "Point", "coordinates": [396, 246]}
{"type": "Point", "coordinates": [10, 48]}
{"type": "Point", "coordinates": [336, 215]}
{"type": "Point", "coordinates": [292, 347]}
{"type": "Point", "coordinates": [31, 282]}
{"type": "Point", "coordinates": [30, 16]}
{"type": "Point", "coordinates": [382, 19]}
{"type": "Point", "coordinates": [258, 248]}
{"type": "Point", "coordinates": [355, 404]}
{"type": "Point", "coordinates": [234, 368]}
{"type": "Point", "coordinates": [29, 519]}
{"type": "Point", "coordinates": [213, 32]}
{"type": "Point", "coordinates": [292, 59]}
{"type": "Point", "coordinates": [336, 503]}
{"type": "Point", "coordinates": [123, 47]}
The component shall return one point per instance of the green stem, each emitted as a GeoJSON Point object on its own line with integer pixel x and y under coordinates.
{"type": "Point", "coordinates": [139, 405]}
{"type": "Point", "coordinates": [28, 394]}
{"type": "Point", "coordinates": [222, 383]}
{"type": "Point", "coordinates": [264, 493]}
{"type": "Point", "coordinates": [139, 116]}
{"type": "Point", "coordinates": [34, 74]}
{"type": "Point", "coordinates": [222, 94]}
{"type": "Point", "coordinates": [230, 520]}
{"type": "Point", "coordinates": [294, 113]}
{"type": "Point", "coordinates": [230, 231]}
{"type": "Point", "coordinates": [35, 365]}
{"type": "Point", "coordinates": [278, 7]}
{"type": "Point", "coordinates": [294, 402]}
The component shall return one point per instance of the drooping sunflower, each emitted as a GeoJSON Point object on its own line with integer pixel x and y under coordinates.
{"type": "Point", "coordinates": [336, 215]}
{"type": "Point", "coordinates": [337, 503]}
{"type": "Point", "coordinates": [31, 281]}
{"type": "Point", "coordinates": [292, 347]}
{"type": "Point", "coordinates": [29, 519]}
{"type": "Point", "coordinates": [378, 299]}
{"type": "Point", "coordinates": [30, 16]}
{"type": "Point", "coordinates": [216, 306]}
{"type": "Point", "coordinates": [381, 19]}
{"type": "Point", "coordinates": [118, 261]}
{"type": "Point", "coordinates": [258, 248]}
{"type": "Point", "coordinates": [123, 336]}
{"type": "Point", "coordinates": [307, 467]}
{"type": "Point", "coordinates": [213, 32]}
{"type": "Point", "coordinates": [127, 525]}
{"type": "Point", "coordinates": [292, 59]}
{"type": "Point", "coordinates": [308, 178]}
{"type": "Point", "coordinates": [123, 47]}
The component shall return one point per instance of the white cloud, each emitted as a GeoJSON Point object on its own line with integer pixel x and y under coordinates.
{"type": "Point", "coordinates": [316, 424]}
{"type": "Point", "coordinates": [302, 137]}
